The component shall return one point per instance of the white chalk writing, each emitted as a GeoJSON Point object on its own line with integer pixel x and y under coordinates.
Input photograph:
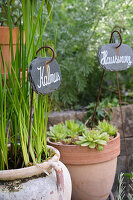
{"type": "Point", "coordinates": [106, 60]}
{"type": "Point", "coordinates": [48, 78]}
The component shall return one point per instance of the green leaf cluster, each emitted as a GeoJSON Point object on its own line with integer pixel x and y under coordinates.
{"type": "Point", "coordinates": [15, 94]}
{"type": "Point", "coordinates": [66, 132]}
{"type": "Point", "coordinates": [93, 139]}
{"type": "Point", "coordinates": [72, 132]}
{"type": "Point", "coordinates": [125, 188]}
{"type": "Point", "coordinates": [78, 29]}
{"type": "Point", "coordinates": [104, 126]}
{"type": "Point", "coordinates": [58, 132]}
{"type": "Point", "coordinates": [103, 111]}
{"type": "Point", "coordinates": [15, 12]}
{"type": "Point", "coordinates": [74, 129]}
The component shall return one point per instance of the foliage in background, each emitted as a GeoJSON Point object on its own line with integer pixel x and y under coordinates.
{"type": "Point", "coordinates": [77, 31]}
{"type": "Point", "coordinates": [123, 188]}
{"type": "Point", "coordinates": [103, 111]}
{"type": "Point", "coordinates": [15, 12]}
{"type": "Point", "coordinates": [77, 133]}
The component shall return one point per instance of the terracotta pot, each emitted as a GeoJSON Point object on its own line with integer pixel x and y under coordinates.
{"type": "Point", "coordinates": [92, 171]}
{"type": "Point", "coordinates": [6, 50]}
{"type": "Point", "coordinates": [4, 43]}
{"type": "Point", "coordinates": [32, 183]}
{"type": "Point", "coordinates": [7, 78]}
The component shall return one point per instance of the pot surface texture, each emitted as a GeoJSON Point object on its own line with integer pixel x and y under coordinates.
{"type": "Point", "coordinates": [92, 171]}
{"type": "Point", "coordinates": [32, 183]}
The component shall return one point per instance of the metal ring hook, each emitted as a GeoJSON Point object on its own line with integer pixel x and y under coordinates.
{"type": "Point", "coordinates": [119, 36]}
{"type": "Point", "coordinates": [44, 47]}
{"type": "Point", "coordinates": [117, 27]}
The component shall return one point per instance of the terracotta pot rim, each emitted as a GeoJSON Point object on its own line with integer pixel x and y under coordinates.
{"type": "Point", "coordinates": [82, 155]}
{"type": "Point", "coordinates": [74, 145]}
{"type": "Point", "coordinates": [5, 36]}
{"type": "Point", "coordinates": [7, 27]}
{"type": "Point", "coordinates": [27, 172]}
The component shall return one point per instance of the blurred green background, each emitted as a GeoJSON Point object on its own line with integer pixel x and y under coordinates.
{"type": "Point", "coordinates": [77, 30]}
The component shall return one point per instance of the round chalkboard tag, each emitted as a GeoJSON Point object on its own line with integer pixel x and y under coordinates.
{"type": "Point", "coordinates": [115, 59]}
{"type": "Point", "coordinates": [44, 78]}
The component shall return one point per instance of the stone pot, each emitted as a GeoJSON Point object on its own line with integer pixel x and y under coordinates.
{"type": "Point", "coordinates": [32, 183]}
{"type": "Point", "coordinates": [92, 171]}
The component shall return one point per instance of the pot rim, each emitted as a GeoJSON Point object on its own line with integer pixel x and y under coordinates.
{"type": "Point", "coordinates": [83, 155]}
{"type": "Point", "coordinates": [7, 27]}
{"type": "Point", "coordinates": [27, 172]}
{"type": "Point", "coordinates": [5, 37]}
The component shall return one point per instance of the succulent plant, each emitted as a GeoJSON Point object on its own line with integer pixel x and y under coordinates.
{"type": "Point", "coordinates": [93, 139]}
{"type": "Point", "coordinates": [58, 132]}
{"type": "Point", "coordinates": [104, 126]}
{"type": "Point", "coordinates": [77, 133]}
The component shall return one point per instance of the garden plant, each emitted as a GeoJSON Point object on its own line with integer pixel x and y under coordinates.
{"type": "Point", "coordinates": [16, 95]}
{"type": "Point", "coordinates": [78, 133]}
{"type": "Point", "coordinates": [87, 151]}
{"type": "Point", "coordinates": [17, 161]}
{"type": "Point", "coordinates": [78, 29]}
{"type": "Point", "coordinates": [75, 29]}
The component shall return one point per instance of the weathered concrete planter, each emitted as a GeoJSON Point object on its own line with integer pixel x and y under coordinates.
{"type": "Point", "coordinates": [33, 184]}
{"type": "Point", "coordinates": [92, 172]}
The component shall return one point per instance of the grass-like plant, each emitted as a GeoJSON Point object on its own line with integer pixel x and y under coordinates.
{"type": "Point", "coordinates": [15, 95]}
{"type": "Point", "coordinates": [72, 132]}
{"type": "Point", "coordinates": [123, 188]}
{"type": "Point", "coordinates": [3, 123]}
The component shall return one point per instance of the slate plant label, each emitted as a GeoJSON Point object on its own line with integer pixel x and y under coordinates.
{"type": "Point", "coordinates": [115, 59]}
{"type": "Point", "coordinates": [44, 78]}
